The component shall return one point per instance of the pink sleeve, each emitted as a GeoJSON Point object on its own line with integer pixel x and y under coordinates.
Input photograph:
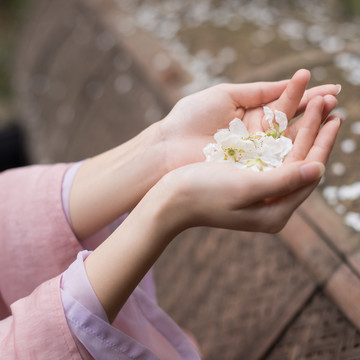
{"type": "Point", "coordinates": [37, 327]}
{"type": "Point", "coordinates": [36, 244]}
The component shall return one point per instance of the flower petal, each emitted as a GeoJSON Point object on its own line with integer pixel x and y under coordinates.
{"type": "Point", "coordinates": [269, 116]}
{"type": "Point", "coordinates": [213, 152]}
{"type": "Point", "coordinates": [222, 135]}
{"type": "Point", "coordinates": [237, 127]}
{"type": "Point", "coordinates": [281, 119]}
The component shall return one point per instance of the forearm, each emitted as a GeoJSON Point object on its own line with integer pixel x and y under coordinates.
{"type": "Point", "coordinates": [117, 266]}
{"type": "Point", "coordinates": [108, 185]}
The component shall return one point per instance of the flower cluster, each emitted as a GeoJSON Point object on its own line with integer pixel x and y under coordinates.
{"type": "Point", "coordinates": [259, 151]}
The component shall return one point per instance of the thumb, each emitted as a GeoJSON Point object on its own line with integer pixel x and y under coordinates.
{"type": "Point", "coordinates": [285, 179]}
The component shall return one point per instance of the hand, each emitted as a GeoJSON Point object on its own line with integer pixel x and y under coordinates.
{"type": "Point", "coordinates": [195, 119]}
{"type": "Point", "coordinates": [220, 195]}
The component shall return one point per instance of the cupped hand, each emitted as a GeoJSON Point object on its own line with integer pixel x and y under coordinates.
{"type": "Point", "coordinates": [220, 195]}
{"type": "Point", "coordinates": [196, 118]}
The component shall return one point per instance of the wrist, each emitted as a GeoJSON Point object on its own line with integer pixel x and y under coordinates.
{"type": "Point", "coordinates": [112, 183]}
{"type": "Point", "coordinates": [175, 207]}
{"type": "Point", "coordinates": [144, 153]}
{"type": "Point", "coordinates": [167, 206]}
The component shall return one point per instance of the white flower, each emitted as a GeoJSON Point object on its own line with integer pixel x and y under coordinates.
{"type": "Point", "coordinates": [277, 128]}
{"type": "Point", "coordinates": [259, 151]}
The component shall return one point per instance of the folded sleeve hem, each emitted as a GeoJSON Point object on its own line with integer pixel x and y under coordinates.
{"type": "Point", "coordinates": [39, 325]}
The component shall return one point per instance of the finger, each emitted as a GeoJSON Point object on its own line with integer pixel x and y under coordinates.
{"type": "Point", "coordinates": [310, 125]}
{"type": "Point", "coordinates": [258, 93]}
{"type": "Point", "coordinates": [321, 90]}
{"type": "Point", "coordinates": [332, 117]}
{"type": "Point", "coordinates": [290, 187]}
{"type": "Point", "coordinates": [280, 209]}
{"type": "Point", "coordinates": [289, 100]}
{"type": "Point", "coordinates": [281, 181]}
{"type": "Point", "coordinates": [325, 140]}
{"type": "Point", "coordinates": [330, 103]}
{"type": "Point", "coordinates": [251, 119]}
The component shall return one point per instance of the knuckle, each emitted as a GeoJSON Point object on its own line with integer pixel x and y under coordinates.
{"type": "Point", "coordinates": [262, 95]}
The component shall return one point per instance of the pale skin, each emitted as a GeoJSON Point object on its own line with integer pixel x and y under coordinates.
{"type": "Point", "coordinates": [160, 174]}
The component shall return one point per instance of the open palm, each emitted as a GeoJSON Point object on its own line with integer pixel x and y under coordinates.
{"type": "Point", "coordinates": [194, 119]}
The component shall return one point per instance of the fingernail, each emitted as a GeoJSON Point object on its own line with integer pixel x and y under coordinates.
{"type": "Point", "coordinates": [339, 89]}
{"type": "Point", "coordinates": [337, 119]}
{"type": "Point", "coordinates": [312, 171]}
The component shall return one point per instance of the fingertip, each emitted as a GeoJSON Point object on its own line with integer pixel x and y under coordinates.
{"type": "Point", "coordinates": [330, 97]}
{"type": "Point", "coordinates": [312, 171]}
{"type": "Point", "coordinates": [337, 118]}
{"type": "Point", "coordinates": [332, 89]}
{"type": "Point", "coordinates": [290, 99]}
{"type": "Point", "coordinates": [330, 102]}
{"type": "Point", "coordinates": [304, 73]}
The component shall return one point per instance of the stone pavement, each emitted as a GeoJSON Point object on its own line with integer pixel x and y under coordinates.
{"type": "Point", "coordinates": [91, 74]}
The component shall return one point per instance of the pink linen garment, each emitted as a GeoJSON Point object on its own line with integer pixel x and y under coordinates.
{"type": "Point", "coordinates": [30, 206]}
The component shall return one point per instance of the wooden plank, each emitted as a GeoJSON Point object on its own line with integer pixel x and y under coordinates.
{"type": "Point", "coordinates": [354, 261]}
{"type": "Point", "coordinates": [238, 291]}
{"type": "Point", "coordinates": [344, 288]}
{"type": "Point", "coordinates": [310, 248]}
{"type": "Point", "coordinates": [320, 331]}
{"type": "Point", "coordinates": [329, 225]}
{"type": "Point", "coordinates": [320, 241]}
{"type": "Point", "coordinates": [269, 335]}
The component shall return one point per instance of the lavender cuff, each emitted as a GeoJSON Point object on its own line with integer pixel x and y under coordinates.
{"type": "Point", "coordinates": [141, 331]}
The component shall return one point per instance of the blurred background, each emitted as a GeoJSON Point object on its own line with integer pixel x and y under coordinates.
{"type": "Point", "coordinates": [184, 46]}
{"type": "Point", "coordinates": [79, 77]}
